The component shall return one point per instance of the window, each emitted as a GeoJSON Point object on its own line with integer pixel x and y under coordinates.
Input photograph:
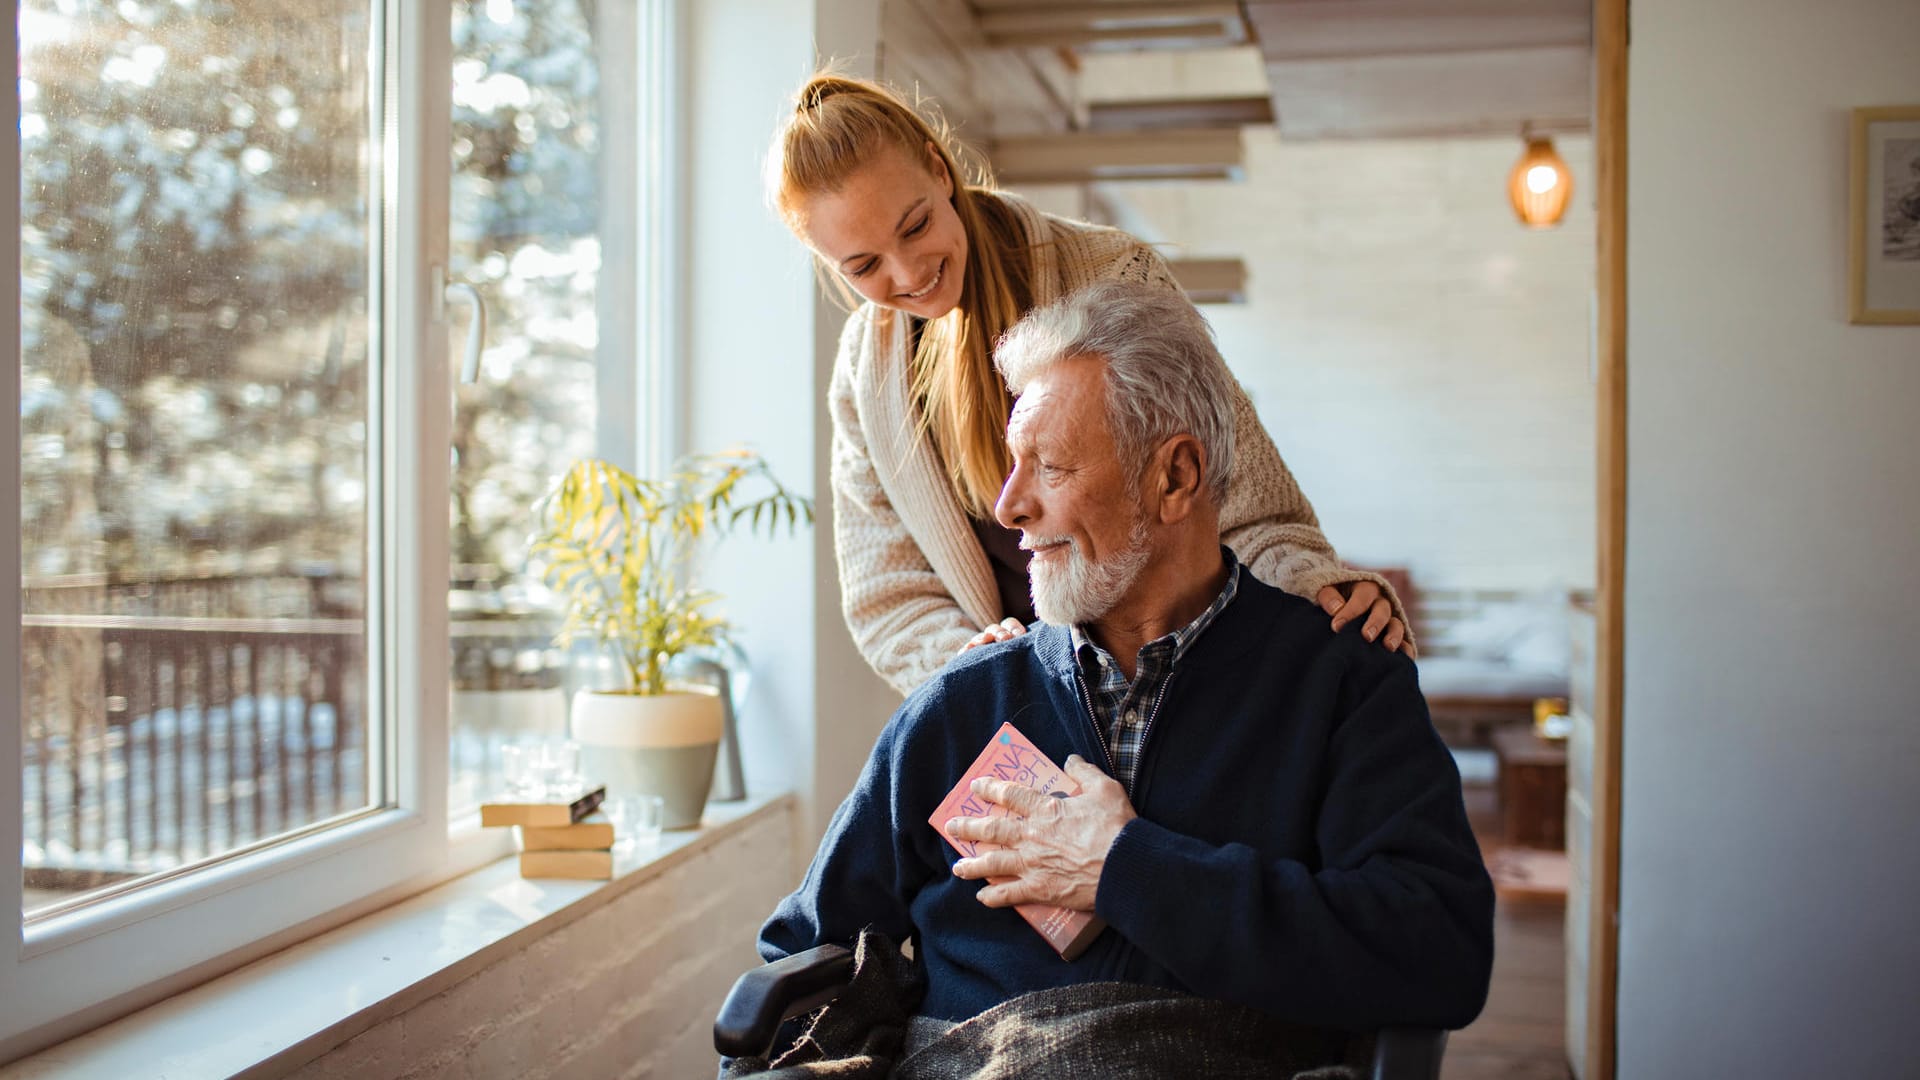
{"type": "Point", "coordinates": [236, 641]}
{"type": "Point", "coordinates": [198, 385]}
{"type": "Point", "coordinates": [551, 197]}
{"type": "Point", "coordinates": [223, 239]}
{"type": "Point", "coordinates": [526, 230]}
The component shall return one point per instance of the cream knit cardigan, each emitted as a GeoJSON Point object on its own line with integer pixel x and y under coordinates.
{"type": "Point", "coordinates": [915, 584]}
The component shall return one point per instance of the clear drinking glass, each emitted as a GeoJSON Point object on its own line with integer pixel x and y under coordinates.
{"type": "Point", "coordinates": [554, 767]}
{"type": "Point", "coordinates": [515, 770]}
{"type": "Point", "coordinates": [637, 820]}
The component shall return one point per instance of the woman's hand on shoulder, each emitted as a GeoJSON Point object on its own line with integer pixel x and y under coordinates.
{"type": "Point", "coordinates": [1349, 602]}
{"type": "Point", "coordinates": [1005, 630]}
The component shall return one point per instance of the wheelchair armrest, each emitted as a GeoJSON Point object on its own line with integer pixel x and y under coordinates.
{"type": "Point", "coordinates": [763, 998]}
{"type": "Point", "coordinates": [1408, 1053]}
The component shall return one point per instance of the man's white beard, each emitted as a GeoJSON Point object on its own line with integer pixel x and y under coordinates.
{"type": "Point", "coordinates": [1085, 589]}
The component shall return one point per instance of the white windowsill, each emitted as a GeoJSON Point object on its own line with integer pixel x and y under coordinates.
{"type": "Point", "coordinates": [294, 1005]}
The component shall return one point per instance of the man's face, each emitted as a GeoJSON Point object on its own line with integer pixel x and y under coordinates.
{"type": "Point", "coordinates": [1076, 504]}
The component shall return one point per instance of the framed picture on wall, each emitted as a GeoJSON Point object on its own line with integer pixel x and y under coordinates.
{"type": "Point", "coordinates": [1884, 249]}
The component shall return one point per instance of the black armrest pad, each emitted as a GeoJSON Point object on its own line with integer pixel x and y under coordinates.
{"type": "Point", "coordinates": [1408, 1053]}
{"type": "Point", "coordinates": [765, 996]}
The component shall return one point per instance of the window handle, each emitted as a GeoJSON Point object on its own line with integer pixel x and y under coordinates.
{"type": "Point", "coordinates": [444, 291]}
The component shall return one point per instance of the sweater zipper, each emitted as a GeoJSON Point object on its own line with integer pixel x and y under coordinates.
{"type": "Point", "coordinates": [1106, 751]}
{"type": "Point", "coordinates": [1117, 960]}
{"type": "Point", "coordinates": [1123, 956]}
{"type": "Point", "coordinates": [1146, 733]}
{"type": "Point", "coordinates": [1086, 710]}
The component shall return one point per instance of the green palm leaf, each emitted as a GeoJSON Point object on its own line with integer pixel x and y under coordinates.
{"type": "Point", "coordinates": [616, 548]}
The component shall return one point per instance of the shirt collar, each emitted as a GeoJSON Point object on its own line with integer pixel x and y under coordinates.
{"type": "Point", "coordinates": [1180, 640]}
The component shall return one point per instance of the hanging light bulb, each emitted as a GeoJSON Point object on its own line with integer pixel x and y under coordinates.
{"type": "Point", "coordinates": [1540, 184]}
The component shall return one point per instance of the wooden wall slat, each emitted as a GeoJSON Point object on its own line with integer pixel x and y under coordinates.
{"type": "Point", "coordinates": [1610, 157]}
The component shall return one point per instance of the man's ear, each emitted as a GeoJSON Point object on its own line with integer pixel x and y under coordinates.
{"type": "Point", "coordinates": [1179, 471]}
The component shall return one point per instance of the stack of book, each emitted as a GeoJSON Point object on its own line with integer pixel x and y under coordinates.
{"type": "Point", "coordinates": [560, 838]}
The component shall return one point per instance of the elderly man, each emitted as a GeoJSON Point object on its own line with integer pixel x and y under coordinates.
{"type": "Point", "coordinates": [1266, 816]}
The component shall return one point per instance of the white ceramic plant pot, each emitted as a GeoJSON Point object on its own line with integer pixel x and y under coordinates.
{"type": "Point", "coordinates": [511, 713]}
{"type": "Point", "coordinates": [660, 744]}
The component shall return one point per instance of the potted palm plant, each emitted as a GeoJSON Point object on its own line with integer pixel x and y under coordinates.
{"type": "Point", "coordinates": [621, 552]}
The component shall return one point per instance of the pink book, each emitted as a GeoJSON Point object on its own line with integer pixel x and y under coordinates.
{"type": "Point", "coordinates": [1010, 756]}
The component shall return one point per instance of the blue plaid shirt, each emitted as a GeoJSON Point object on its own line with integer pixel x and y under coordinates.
{"type": "Point", "coordinates": [1124, 711]}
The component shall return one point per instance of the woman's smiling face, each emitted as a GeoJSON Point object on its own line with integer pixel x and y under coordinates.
{"type": "Point", "coordinates": [891, 232]}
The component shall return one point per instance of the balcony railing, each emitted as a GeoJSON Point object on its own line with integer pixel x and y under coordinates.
{"type": "Point", "coordinates": [172, 721]}
{"type": "Point", "coordinates": [168, 721]}
{"type": "Point", "coordinates": [152, 741]}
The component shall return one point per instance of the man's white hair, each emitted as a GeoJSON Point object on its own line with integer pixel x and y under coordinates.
{"type": "Point", "coordinates": [1165, 377]}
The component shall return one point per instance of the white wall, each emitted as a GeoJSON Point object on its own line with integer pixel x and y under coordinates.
{"type": "Point", "coordinates": [760, 348]}
{"type": "Point", "coordinates": [1422, 360]}
{"type": "Point", "coordinates": [1772, 756]}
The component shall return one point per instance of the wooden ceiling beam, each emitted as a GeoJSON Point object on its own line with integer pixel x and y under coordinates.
{"type": "Point", "coordinates": [1168, 113]}
{"type": "Point", "coordinates": [1291, 30]}
{"type": "Point", "coordinates": [1211, 281]}
{"type": "Point", "coordinates": [1086, 157]}
{"type": "Point", "coordinates": [1115, 26]}
{"type": "Point", "coordinates": [1432, 95]}
{"type": "Point", "coordinates": [985, 6]}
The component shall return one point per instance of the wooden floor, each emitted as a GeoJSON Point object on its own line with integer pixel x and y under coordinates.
{"type": "Point", "coordinates": [1522, 1033]}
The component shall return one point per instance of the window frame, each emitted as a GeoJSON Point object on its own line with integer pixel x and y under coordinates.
{"type": "Point", "coordinates": [639, 364]}
{"type": "Point", "coordinates": [74, 970]}
{"type": "Point", "coordinates": [660, 190]}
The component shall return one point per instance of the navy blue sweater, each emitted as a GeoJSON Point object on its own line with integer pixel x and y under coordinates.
{"type": "Point", "coordinates": [1301, 846]}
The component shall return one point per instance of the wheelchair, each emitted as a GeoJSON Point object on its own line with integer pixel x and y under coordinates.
{"type": "Point", "coordinates": [764, 998]}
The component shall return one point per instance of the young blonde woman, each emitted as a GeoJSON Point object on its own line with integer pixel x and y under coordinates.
{"type": "Point", "coordinates": [919, 413]}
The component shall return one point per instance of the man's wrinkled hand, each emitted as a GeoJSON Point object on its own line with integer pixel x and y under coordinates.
{"type": "Point", "coordinates": [1052, 850]}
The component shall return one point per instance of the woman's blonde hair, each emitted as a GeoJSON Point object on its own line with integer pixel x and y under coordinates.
{"type": "Point", "coordinates": [837, 125]}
